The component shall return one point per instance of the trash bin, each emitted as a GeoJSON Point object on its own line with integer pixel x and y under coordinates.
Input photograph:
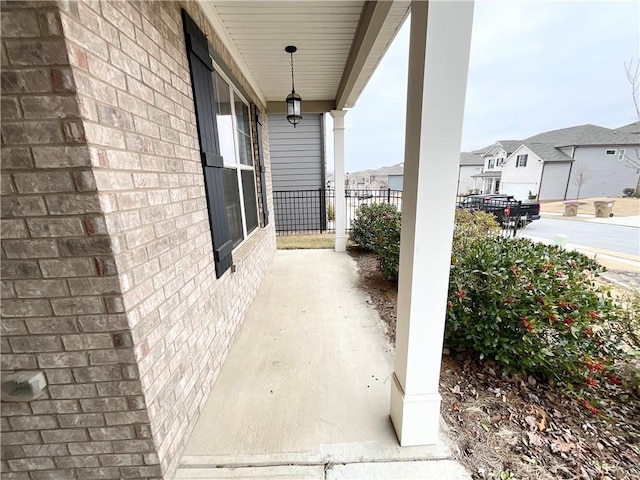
{"type": "Point", "coordinates": [604, 208]}
{"type": "Point", "coordinates": [571, 208]}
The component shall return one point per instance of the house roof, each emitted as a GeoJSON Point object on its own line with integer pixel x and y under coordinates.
{"type": "Point", "coordinates": [633, 127]}
{"type": "Point", "coordinates": [340, 44]}
{"type": "Point", "coordinates": [470, 159]}
{"type": "Point", "coordinates": [507, 145]}
{"type": "Point", "coordinates": [482, 150]}
{"type": "Point", "coordinates": [397, 169]}
{"type": "Point", "coordinates": [583, 135]}
{"type": "Point", "coordinates": [547, 152]}
{"type": "Point", "coordinates": [510, 145]}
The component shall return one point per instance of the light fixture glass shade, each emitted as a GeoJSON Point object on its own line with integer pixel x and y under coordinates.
{"type": "Point", "coordinates": [294, 108]}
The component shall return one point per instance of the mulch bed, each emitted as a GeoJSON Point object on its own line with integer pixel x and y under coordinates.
{"type": "Point", "coordinates": [517, 428]}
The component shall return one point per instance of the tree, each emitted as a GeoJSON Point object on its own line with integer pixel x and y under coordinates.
{"type": "Point", "coordinates": [632, 159]}
{"type": "Point", "coordinates": [579, 177]}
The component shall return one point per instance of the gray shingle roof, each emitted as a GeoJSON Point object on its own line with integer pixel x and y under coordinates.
{"type": "Point", "coordinates": [467, 158]}
{"type": "Point", "coordinates": [482, 150]}
{"type": "Point", "coordinates": [633, 127]}
{"type": "Point", "coordinates": [397, 169]}
{"type": "Point", "coordinates": [547, 152]}
{"type": "Point", "coordinates": [584, 135]}
{"type": "Point", "coordinates": [510, 145]}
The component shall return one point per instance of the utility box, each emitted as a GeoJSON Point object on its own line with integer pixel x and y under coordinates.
{"type": "Point", "coordinates": [571, 208]}
{"type": "Point", "coordinates": [604, 208]}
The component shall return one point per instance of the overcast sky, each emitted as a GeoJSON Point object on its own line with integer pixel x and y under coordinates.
{"type": "Point", "coordinates": [534, 66]}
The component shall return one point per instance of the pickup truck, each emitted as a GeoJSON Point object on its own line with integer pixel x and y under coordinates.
{"type": "Point", "coordinates": [505, 208]}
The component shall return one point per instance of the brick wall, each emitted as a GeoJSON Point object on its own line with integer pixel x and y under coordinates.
{"type": "Point", "coordinates": [126, 148]}
{"type": "Point", "coordinates": [62, 306]}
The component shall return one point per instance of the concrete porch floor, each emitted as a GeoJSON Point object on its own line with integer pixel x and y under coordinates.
{"type": "Point", "coordinates": [305, 390]}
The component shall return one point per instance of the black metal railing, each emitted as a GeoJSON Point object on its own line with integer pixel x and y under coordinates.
{"type": "Point", "coordinates": [313, 211]}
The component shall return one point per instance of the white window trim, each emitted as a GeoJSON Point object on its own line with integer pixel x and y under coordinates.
{"type": "Point", "coordinates": [621, 154]}
{"type": "Point", "coordinates": [237, 165]}
{"type": "Point", "coordinates": [526, 160]}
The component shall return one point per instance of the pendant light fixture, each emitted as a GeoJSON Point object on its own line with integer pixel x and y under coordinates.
{"type": "Point", "coordinates": [294, 101]}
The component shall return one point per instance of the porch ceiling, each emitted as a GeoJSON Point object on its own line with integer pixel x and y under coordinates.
{"type": "Point", "coordinates": [340, 43]}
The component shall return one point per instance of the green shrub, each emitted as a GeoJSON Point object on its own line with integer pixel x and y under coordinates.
{"type": "Point", "coordinates": [628, 192]}
{"type": "Point", "coordinates": [475, 224]}
{"type": "Point", "coordinates": [366, 228]}
{"type": "Point", "coordinates": [532, 308]}
{"type": "Point", "coordinates": [377, 228]}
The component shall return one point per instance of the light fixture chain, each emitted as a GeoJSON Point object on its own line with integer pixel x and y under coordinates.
{"type": "Point", "coordinates": [293, 86]}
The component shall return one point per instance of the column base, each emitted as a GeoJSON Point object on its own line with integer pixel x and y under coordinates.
{"type": "Point", "coordinates": [415, 418]}
{"type": "Point", "coordinates": [341, 244]}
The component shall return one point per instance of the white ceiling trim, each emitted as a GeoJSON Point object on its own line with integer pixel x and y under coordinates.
{"type": "Point", "coordinates": [218, 26]}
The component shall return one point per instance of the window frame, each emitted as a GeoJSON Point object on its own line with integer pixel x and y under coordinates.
{"type": "Point", "coordinates": [610, 151]}
{"type": "Point", "coordinates": [621, 154]}
{"type": "Point", "coordinates": [236, 164]}
{"type": "Point", "coordinates": [519, 158]}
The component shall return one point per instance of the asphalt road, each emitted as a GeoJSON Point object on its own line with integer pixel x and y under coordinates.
{"type": "Point", "coordinates": [614, 238]}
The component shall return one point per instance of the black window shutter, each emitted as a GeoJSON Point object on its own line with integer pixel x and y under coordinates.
{"type": "Point", "coordinates": [263, 181]}
{"type": "Point", "coordinates": [201, 69]}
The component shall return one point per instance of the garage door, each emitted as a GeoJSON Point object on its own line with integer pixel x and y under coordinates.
{"type": "Point", "coordinates": [519, 190]}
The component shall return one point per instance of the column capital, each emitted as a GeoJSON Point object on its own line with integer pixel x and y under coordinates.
{"type": "Point", "coordinates": [338, 113]}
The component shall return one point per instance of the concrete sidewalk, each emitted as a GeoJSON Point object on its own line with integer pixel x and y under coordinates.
{"type": "Point", "coordinates": [305, 390]}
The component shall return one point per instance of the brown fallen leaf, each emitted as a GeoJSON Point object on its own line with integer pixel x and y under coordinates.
{"type": "Point", "coordinates": [531, 421]}
{"type": "Point", "coordinates": [560, 446]}
{"type": "Point", "coordinates": [535, 439]}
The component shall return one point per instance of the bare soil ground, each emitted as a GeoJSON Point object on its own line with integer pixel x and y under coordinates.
{"type": "Point", "coordinates": [623, 207]}
{"type": "Point", "coordinates": [517, 428]}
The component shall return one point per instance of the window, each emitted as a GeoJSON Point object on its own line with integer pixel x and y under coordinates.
{"type": "Point", "coordinates": [499, 162]}
{"type": "Point", "coordinates": [491, 163]}
{"type": "Point", "coordinates": [226, 150]}
{"type": "Point", "coordinates": [234, 135]}
{"type": "Point", "coordinates": [621, 155]}
{"type": "Point", "coordinates": [521, 160]}
{"type": "Point", "coordinates": [610, 152]}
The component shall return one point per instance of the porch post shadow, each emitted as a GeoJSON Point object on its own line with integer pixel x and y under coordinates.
{"type": "Point", "coordinates": [438, 66]}
{"type": "Point", "coordinates": [338, 175]}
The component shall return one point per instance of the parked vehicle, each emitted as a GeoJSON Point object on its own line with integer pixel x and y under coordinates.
{"type": "Point", "coordinates": [505, 208]}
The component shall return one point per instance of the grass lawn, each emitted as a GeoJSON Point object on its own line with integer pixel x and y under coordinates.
{"type": "Point", "coordinates": [301, 241]}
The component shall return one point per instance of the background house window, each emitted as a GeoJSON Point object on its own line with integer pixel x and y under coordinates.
{"type": "Point", "coordinates": [499, 162]}
{"type": "Point", "coordinates": [234, 135]}
{"type": "Point", "coordinates": [491, 163]}
{"type": "Point", "coordinates": [610, 152]}
{"type": "Point", "coordinates": [621, 154]}
{"type": "Point", "coordinates": [521, 160]}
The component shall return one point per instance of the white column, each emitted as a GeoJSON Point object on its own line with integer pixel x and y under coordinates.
{"type": "Point", "coordinates": [438, 66]}
{"type": "Point", "coordinates": [338, 175]}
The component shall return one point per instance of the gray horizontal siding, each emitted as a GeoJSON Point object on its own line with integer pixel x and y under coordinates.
{"type": "Point", "coordinates": [297, 161]}
{"type": "Point", "coordinates": [554, 181]}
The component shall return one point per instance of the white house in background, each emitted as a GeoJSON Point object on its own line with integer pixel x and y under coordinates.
{"type": "Point", "coordinates": [494, 156]}
{"type": "Point", "coordinates": [557, 164]}
{"type": "Point", "coordinates": [470, 164]}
